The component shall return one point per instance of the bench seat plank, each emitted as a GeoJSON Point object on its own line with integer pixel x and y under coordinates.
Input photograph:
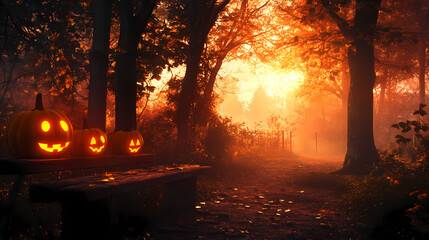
{"type": "Point", "coordinates": [47, 191]}
{"type": "Point", "coordinates": [101, 187]}
{"type": "Point", "coordinates": [32, 166]}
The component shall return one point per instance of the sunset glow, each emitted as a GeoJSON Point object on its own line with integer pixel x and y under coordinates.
{"type": "Point", "coordinates": [281, 84]}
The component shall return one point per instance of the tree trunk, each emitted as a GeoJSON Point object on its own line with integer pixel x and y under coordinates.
{"type": "Point", "coordinates": [204, 106]}
{"type": "Point", "coordinates": [189, 92]}
{"type": "Point", "coordinates": [345, 86]}
{"type": "Point", "coordinates": [422, 69]}
{"type": "Point", "coordinates": [126, 86]}
{"type": "Point", "coordinates": [202, 16]}
{"type": "Point", "coordinates": [361, 152]}
{"type": "Point", "coordinates": [132, 26]}
{"type": "Point", "coordinates": [99, 64]}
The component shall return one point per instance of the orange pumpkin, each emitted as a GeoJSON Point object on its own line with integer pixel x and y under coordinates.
{"type": "Point", "coordinates": [39, 133]}
{"type": "Point", "coordinates": [88, 142]}
{"type": "Point", "coordinates": [125, 142]}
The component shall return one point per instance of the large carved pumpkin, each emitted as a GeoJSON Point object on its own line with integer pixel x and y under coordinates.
{"type": "Point", "coordinates": [39, 133]}
{"type": "Point", "coordinates": [125, 142]}
{"type": "Point", "coordinates": [88, 142]}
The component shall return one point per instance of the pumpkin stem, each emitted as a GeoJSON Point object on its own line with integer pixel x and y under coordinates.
{"type": "Point", "coordinates": [39, 103]}
{"type": "Point", "coordinates": [85, 123]}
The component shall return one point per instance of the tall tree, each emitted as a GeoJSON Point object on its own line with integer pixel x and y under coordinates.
{"type": "Point", "coordinates": [361, 151]}
{"type": "Point", "coordinates": [99, 64]}
{"type": "Point", "coordinates": [421, 10]}
{"type": "Point", "coordinates": [132, 25]}
{"type": "Point", "coordinates": [239, 25]}
{"type": "Point", "coordinates": [202, 15]}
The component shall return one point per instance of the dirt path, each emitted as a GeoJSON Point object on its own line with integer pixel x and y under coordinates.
{"type": "Point", "coordinates": [265, 203]}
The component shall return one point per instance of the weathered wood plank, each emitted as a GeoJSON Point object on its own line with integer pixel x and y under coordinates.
{"type": "Point", "coordinates": [32, 166]}
{"type": "Point", "coordinates": [47, 191]}
{"type": "Point", "coordinates": [100, 187]}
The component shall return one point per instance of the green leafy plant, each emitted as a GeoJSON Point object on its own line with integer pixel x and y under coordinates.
{"type": "Point", "coordinates": [421, 147]}
{"type": "Point", "coordinates": [406, 126]}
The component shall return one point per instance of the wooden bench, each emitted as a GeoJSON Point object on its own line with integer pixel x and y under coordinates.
{"type": "Point", "coordinates": [86, 201]}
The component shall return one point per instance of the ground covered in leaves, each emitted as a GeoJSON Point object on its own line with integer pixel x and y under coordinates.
{"type": "Point", "coordinates": [265, 200]}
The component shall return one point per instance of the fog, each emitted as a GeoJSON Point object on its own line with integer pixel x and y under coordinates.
{"type": "Point", "coordinates": [318, 125]}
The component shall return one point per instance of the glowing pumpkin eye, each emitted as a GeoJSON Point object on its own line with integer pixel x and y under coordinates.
{"type": "Point", "coordinates": [64, 126]}
{"type": "Point", "coordinates": [92, 141]}
{"type": "Point", "coordinates": [138, 143]}
{"type": "Point", "coordinates": [45, 126]}
{"type": "Point", "coordinates": [132, 143]}
{"type": "Point", "coordinates": [102, 139]}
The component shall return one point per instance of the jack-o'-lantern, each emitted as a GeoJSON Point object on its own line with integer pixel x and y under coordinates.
{"type": "Point", "coordinates": [39, 133]}
{"type": "Point", "coordinates": [125, 142]}
{"type": "Point", "coordinates": [88, 142]}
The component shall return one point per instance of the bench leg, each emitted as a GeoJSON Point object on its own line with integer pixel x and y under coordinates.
{"type": "Point", "coordinates": [6, 212]}
{"type": "Point", "coordinates": [86, 220]}
{"type": "Point", "coordinates": [180, 196]}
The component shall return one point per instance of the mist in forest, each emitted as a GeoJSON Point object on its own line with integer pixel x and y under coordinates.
{"type": "Point", "coordinates": [318, 126]}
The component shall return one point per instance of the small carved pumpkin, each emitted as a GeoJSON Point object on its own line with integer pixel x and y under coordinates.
{"type": "Point", "coordinates": [88, 142]}
{"type": "Point", "coordinates": [125, 142]}
{"type": "Point", "coordinates": [39, 133]}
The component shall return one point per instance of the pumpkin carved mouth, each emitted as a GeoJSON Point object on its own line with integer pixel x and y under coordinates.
{"type": "Point", "coordinates": [134, 147]}
{"type": "Point", "coordinates": [54, 147]}
{"type": "Point", "coordinates": [96, 150]}
{"type": "Point", "coordinates": [134, 150]}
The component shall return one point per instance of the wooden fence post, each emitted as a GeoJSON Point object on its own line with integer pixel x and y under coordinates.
{"type": "Point", "coordinates": [283, 141]}
{"type": "Point", "coordinates": [316, 141]}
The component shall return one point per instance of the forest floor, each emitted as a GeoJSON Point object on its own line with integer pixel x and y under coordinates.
{"type": "Point", "coordinates": [264, 201]}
